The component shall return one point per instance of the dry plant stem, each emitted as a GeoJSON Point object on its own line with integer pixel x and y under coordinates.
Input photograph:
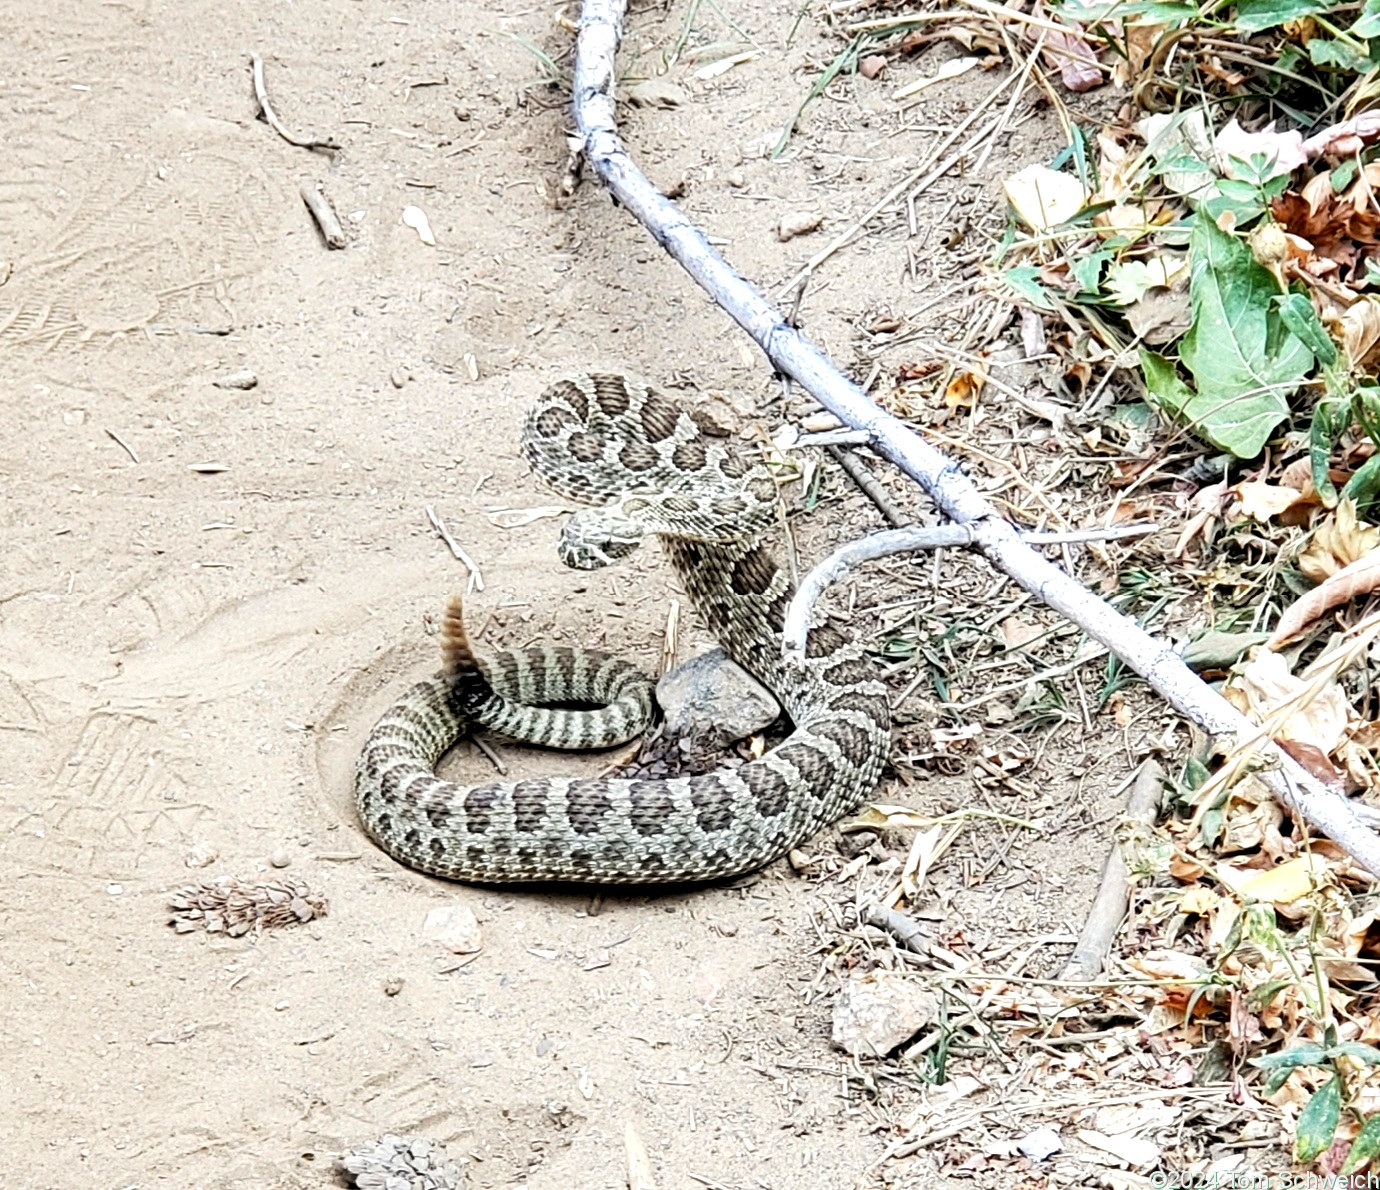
{"type": "Point", "coordinates": [456, 549]}
{"type": "Point", "coordinates": [868, 484]}
{"type": "Point", "coordinates": [1114, 893]}
{"type": "Point", "coordinates": [910, 933]}
{"type": "Point", "coordinates": [320, 209]}
{"type": "Point", "coordinates": [256, 65]}
{"type": "Point", "coordinates": [794, 356]}
{"type": "Point", "coordinates": [908, 540]}
{"type": "Point", "coordinates": [640, 1176]}
{"type": "Point", "coordinates": [915, 181]}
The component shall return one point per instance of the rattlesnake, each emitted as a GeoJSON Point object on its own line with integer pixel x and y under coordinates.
{"type": "Point", "coordinates": [654, 468]}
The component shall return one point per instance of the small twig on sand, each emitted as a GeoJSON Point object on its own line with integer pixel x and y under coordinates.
{"type": "Point", "coordinates": [908, 540]}
{"type": "Point", "coordinates": [639, 1165]}
{"type": "Point", "coordinates": [270, 117]}
{"type": "Point", "coordinates": [120, 442]}
{"type": "Point", "coordinates": [1109, 906]}
{"type": "Point", "coordinates": [476, 579]}
{"type": "Point", "coordinates": [911, 934]}
{"type": "Point", "coordinates": [670, 640]}
{"type": "Point", "coordinates": [869, 485]}
{"type": "Point", "coordinates": [320, 209]}
{"type": "Point", "coordinates": [492, 753]}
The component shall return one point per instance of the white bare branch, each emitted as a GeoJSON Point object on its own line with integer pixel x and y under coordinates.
{"type": "Point", "coordinates": [955, 495]}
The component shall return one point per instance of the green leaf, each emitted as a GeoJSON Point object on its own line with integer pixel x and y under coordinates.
{"type": "Point", "coordinates": [1364, 1147]}
{"type": "Point", "coordinates": [1238, 191]}
{"type": "Point", "coordinates": [1326, 51]}
{"type": "Point", "coordinates": [1160, 12]}
{"type": "Point", "coordinates": [1330, 418]}
{"type": "Point", "coordinates": [1258, 998]}
{"type": "Point", "coordinates": [1358, 1050]}
{"type": "Point", "coordinates": [1025, 281]}
{"type": "Point", "coordinates": [1163, 383]}
{"type": "Point", "coordinates": [1087, 270]}
{"type": "Point", "coordinates": [1368, 23]}
{"type": "Point", "coordinates": [1245, 361]}
{"type": "Point", "coordinates": [1318, 1120]}
{"type": "Point", "coordinates": [1254, 15]}
{"type": "Point", "coordinates": [1362, 488]}
{"type": "Point", "coordinates": [1300, 317]}
{"type": "Point", "coordinates": [1301, 1055]}
{"type": "Point", "coordinates": [1365, 408]}
{"type": "Point", "coordinates": [1275, 1081]}
{"type": "Point", "coordinates": [1342, 177]}
{"type": "Point", "coordinates": [1195, 773]}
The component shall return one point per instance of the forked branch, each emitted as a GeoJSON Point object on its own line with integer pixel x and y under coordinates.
{"type": "Point", "coordinates": [955, 495]}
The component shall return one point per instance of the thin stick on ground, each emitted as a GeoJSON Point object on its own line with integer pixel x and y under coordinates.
{"type": "Point", "coordinates": [256, 65]}
{"type": "Point", "coordinates": [1114, 894]}
{"type": "Point", "coordinates": [913, 178]}
{"type": "Point", "coordinates": [869, 485]}
{"type": "Point", "coordinates": [122, 444]}
{"type": "Point", "coordinates": [954, 493]}
{"type": "Point", "coordinates": [491, 753]}
{"type": "Point", "coordinates": [456, 549]}
{"type": "Point", "coordinates": [909, 540]}
{"type": "Point", "coordinates": [325, 217]}
{"type": "Point", "coordinates": [640, 1175]}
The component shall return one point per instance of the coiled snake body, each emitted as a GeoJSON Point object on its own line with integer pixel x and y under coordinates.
{"type": "Point", "coordinates": [652, 467]}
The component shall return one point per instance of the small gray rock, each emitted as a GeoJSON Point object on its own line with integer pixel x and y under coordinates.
{"type": "Point", "coordinates": [714, 701]}
{"type": "Point", "coordinates": [879, 1011]}
{"type": "Point", "coordinates": [243, 379]}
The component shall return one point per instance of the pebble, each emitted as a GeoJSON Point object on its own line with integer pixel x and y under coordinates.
{"type": "Point", "coordinates": [201, 855]}
{"type": "Point", "coordinates": [714, 701]}
{"type": "Point", "coordinates": [280, 858]}
{"type": "Point", "coordinates": [871, 66]}
{"type": "Point", "coordinates": [243, 379]}
{"type": "Point", "coordinates": [454, 927]}
{"type": "Point", "coordinates": [877, 1012]}
{"type": "Point", "coordinates": [391, 987]}
{"type": "Point", "coordinates": [798, 224]}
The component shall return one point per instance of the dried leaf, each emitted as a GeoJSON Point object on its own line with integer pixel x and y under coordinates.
{"type": "Point", "coordinates": [1264, 683]}
{"type": "Point", "coordinates": [1075, 59]}
{"type": "Point", "coordinates": [1044, 197]}
{"type": "Point", "coordinates": [1360, 578]}
{"type": "Point", "coordinates": [1281, 885]}
{"type": "Point", "coordinates": [876, 816]}
{"type": "Point", "coordinates": [1263, 502]}
{"type": "Point", "coordinates": [962, 391]}
{"type": "Point", "coordinates": [1359, 329]}
{"type": "Point", "coordinates": [1340, 540]}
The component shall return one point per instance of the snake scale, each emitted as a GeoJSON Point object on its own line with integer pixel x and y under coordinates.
{"type": "Point", "coordinates": [648, 466]}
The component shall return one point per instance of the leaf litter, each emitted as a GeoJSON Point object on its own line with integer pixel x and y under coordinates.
{"type": "Point", "coordinates": [1200, 276]}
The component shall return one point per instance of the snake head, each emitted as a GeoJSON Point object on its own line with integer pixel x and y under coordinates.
{"type": "Point", "coordinates": [596, 537]}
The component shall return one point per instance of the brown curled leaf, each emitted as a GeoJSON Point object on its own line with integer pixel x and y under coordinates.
{"type": "Point", "coordinates": [1360, 578]}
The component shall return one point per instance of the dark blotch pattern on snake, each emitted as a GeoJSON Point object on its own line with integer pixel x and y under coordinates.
{"type": "Point", "coordinates": [650, 467]}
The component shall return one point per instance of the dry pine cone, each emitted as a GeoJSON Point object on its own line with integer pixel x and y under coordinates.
{"type": "Point", "coordinates": [402, 1163]}
{"type": "Point", "coordinates": [234, 908]}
